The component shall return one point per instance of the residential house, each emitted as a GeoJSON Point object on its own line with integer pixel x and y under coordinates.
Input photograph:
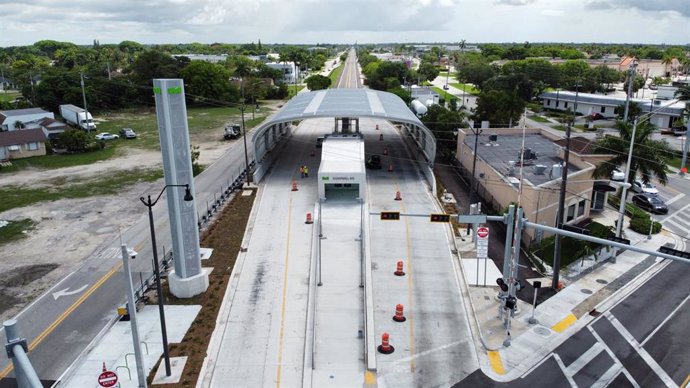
{"type": "Point", "coordinates": [10, 119]}
{"type": "Point", "coordinates": [22, 143]}
{"type": "Point", "coordinates": [289, 69]}
{"type": "Point", "coordinates": [499, 172]}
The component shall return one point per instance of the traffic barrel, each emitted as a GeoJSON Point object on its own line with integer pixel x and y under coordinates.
{"type": "Point", "coordinates": [385, 347]}
{"type": "Point", "coordinates": [399, 269]}
{"type": "Point", "coordinates": [377, 127]}
{"type": "Point", "coordinates": [309, 220]}
{"type": "Point", "coordinates": [294, 185]}
{"type": "Point", "coordinates": [397, 196]}
{"type": "Point", "coordinates": [399, 317]}
{"type": "Point", "coordinates": [390, 168]}
{"type": "Point", "coordinates": [385, 151]}
{"type": "Point", "coordinates": [381, 137]}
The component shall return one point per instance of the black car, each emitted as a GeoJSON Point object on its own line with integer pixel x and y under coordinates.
{"type": "Point", "coordinates": [651, 203]}
{"type": "Point", "coordinates": [374, 162]}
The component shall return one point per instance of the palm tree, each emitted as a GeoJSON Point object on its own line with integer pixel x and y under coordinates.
{"type": "Point", "coordinates": [649, 157]}
{"type": "Point", "coordinates": [683, 94]}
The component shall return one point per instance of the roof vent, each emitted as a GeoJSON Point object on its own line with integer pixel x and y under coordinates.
{"type": "Point", "coordinates": [539, 169]}
{"type": "Point", "coordinates": [556, 171]}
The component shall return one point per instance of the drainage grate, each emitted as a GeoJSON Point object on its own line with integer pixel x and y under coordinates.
{"type": "Point", "coordinates": [602, 281]}
{"type": "Point", "coordinates": [586, 291]}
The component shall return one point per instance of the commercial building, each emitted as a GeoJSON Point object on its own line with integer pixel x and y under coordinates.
{"type": "Point", "coordinates": [289, 69]}
{"type": "Point", "coordinates": [666, 112]}
{"type": "Point", "coordinates": [498, 173]}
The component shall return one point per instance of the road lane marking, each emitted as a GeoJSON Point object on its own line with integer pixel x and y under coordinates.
{"type": "Point", "coordinates": [674, 199]}
{"type": "Point", "coordinates": [664, 321]}
{"type": "Point", "coordinates": [564, 323]}
{"type": "Point", "coordinates": [66, 292]}
{"type": "Point", "coordinates": [410, 285]}
{"type": "Point", "coordinates": [282, 305]}
{"type": "Point", "coordinates": [561, 365]}
{"type": "Point", "coordinates": [612, 355]}
{"type": "Point", "coordinates": [495, 361]}
{"type": "Point", "coordinates": [369, 379]}
{"type": "Point", "coordinates": [64, 315]}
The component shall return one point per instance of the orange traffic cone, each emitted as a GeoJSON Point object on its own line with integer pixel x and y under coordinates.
{"type": "Point", "coordinates": [390, 168]}
{"type": "Point", "coordinates": [309, 220]}
{"type": "Point", "coordinates": [399, 317]}
{"type": "Point", "coordinates": [385, 151]}
{"type": "Point", "coordinates": [399, 269]}
{"type": "Point", "coordinates": [294, 185]}
{"type": "Point", "coordinates": [381, 136]}
{"type": "Point", "coordinates": [385, 346]}
{"type": "Point", "coordinates": [397, 196]}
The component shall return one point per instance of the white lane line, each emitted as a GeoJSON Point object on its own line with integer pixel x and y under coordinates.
{"type": "Point", "coordinates": [607, 377]}
{"type": "Point", "coordinates": [584, 359]}
{"type": "Point", "coordinates": [613, 356]}
{"type": "Point", "coordinates": [678, 211]}
{"type": "Point", "coordinates": [674, 199]}
{"type": "Point", "coordinates": [677, 226]}
{"type": "Point", "coordinates": [564, 370]}
{"type": "Point", "coordinates": [665, 320]}
{"type": "Point", "coordinates": [640, 350]}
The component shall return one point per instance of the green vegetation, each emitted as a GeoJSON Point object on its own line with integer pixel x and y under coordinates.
{"type": "Point", "coordinates": [59, 161]}
{"type": "Point", "coordinates": [14, 230]}
{"type": "Point", "coordinates": [318, 82]}
{"type": "Point", "coordinates": [335, 75]}
{"type": "Point", "coordinates": [639, 219]}
{"type": "Point", "coordinates": [9, 95]}
{"type": "Point", "coordinates": [294, 89]}
{"type": "Point", "coordinates": [571, 249]}
{"type": "Point", "coordinates": [15, 197]}
{"type": "Point", "coordinates": [559, 127]}
{"type": "Point", "coordinates": [469, 88]}
{"type": "Point", "coordinates": [444, 95]}
{"type": "Point", "coordinates": [539, 119]}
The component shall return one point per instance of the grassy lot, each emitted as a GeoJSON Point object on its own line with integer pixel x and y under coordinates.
{"type": "Point", "coordinates": [294, 89]}
{"type": "Point", "coordinates": [469, 88]}
{"type": "Point", "coordinates": [14, 230]}
{"type": "Point", "coordinates": [539, 119]}
{"type": "Point", "coordinates": [9, 95]}
{"type": "Point", "coordinates": [59, 161]}
{"type": "Point", "coordinates": [445, 95]}
{"type": "Point", "coordinates": [14, 197]}
{"type": "Point", "coordinates": [335, 75]}
{"type": "Point", "coordinates": [559, 127]}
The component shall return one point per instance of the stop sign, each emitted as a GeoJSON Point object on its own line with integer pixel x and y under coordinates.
{"type": "Point", "coordinates": [107, 379]}
{"type": "Point", "coordinates": [483, 232]}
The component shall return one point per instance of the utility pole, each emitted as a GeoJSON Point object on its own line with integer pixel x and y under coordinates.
{"type": "Point", "coordinates": [86, 110]}
{"type": "Point", "coordinates": [631, 80]}
{"type": "Point", "coordinates": [686, 145]}
{"type": "Point", "coordinates": [561, 197]}
{"type": "Point", "coordinates": [476, 132]}
{"type": "Point", "coordinates": [132, 311]}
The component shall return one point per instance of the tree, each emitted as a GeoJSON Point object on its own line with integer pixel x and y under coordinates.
{"type": "Point", "coordinates": [649, 157]}
{"type": "Point", "coordinates": [74, 140]}
{"type": "Point", "coordinates": [318, 82]}
{"type": "Point", "coordinates": [638, 82]}
{"type": "Point", "coordinates": [442, 123]}
{"type": "Point", "coordinates": [475, 72]}
{"type": "Point", "coordinates": [208, 81]}
{"type": "Point", "coordinates": [428, 71]}
{"type": "Point", "coordinates": [499, 107]}
{"type": "Point", "coordinates": [634, 110]}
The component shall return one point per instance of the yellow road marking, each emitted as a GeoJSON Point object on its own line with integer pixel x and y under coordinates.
{"type": "Point", "coordinates": [64, 315]}
{"type": "Point", "coordinates": [564, 323]}
{"type": "Point", "coordinates": [282, 306]}
{"type": "Point", "coordinates": [496, 363]}
{"type": "Point", "coordinates": [369, 379]}
{"type": "Point", "coordinates": [685, 383]}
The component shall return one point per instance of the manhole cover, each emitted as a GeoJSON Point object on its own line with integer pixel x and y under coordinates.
{"type": "Point", "coordinates": [602, 281]}
{"type": "Point", "coordinates": [586, 291]}
{"type": "Point", "coordinates": [542, 331]}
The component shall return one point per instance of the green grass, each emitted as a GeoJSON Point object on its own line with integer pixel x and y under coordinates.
{"type": "Point", "coordinates": [14, 230]}
{"type": "Point", "coordinates": [335, 75]}
{"type": "Point", "coordinates": [571, 249]}
{"type": "Point", "coordinates": [539, 119]}
{"type": "Point", "coordinates": [9, 95]}
{"type": "Point", "coordinates": [560, 127]}
{"type": "Point", "coordinates": [469, 88]}
{"type": "Point", "coordinates": [445, 95]}
{"type": "Point", "coordinates": [294, 89]}
{"type": "Point", "coordinates": [59, 161]}
{"type": "Point", "coordinates": [16, 197]}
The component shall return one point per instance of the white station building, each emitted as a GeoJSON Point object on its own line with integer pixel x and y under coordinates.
{"type": "Point", "coordinates": [342, 174]}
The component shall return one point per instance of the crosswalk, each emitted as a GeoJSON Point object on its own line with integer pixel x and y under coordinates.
{"type": "Point", "coordinates": [678, 222]}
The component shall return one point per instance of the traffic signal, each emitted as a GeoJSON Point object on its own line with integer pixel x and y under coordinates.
{"type": "Point", "coordinates": [619, 240]}
{"type": "Point", "coordinates": [510, 302]}
{"type": "Point", "coordinates": [391, 216]}
{"type": "Point", "coordinates": [502, 284]}
{"type": "Point", "coordinates": [440, 218]}
{"type": "Point", "coordinates": [674, 252]}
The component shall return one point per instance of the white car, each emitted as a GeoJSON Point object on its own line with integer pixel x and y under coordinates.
{"type": "Point", "coordinates": [617, 175]}
{"type": "Point", "coordinates": [106, 136]}
{"type": "Point", "coordinates": [640, 187]}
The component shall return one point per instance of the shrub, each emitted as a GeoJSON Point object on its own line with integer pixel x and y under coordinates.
{"type": "Point", "coordinates": [641, 225]}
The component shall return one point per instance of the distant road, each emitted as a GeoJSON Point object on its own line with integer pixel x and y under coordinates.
{"type": "Point", "coordinates": [349, 78]}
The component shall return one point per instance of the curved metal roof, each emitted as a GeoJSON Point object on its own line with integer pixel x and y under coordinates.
{"type": "Point", "coordinates": [347, 103]}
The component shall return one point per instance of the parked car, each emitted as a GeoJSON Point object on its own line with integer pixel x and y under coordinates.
{"type": "Point", "coordinates": [231, 131]}
{"type": "Point", "coordinates": [596, 116]}
{"type": "Point", "coordinates": [106, 136]}
{"type": "Point", "coordinates": [374, 162]}
{"type": "Point", "coordinates": [617, 175]}
{"type": "Point", "coordinates": [651, 203]}
{"type": "Point", "coordinates": [640, 187]}
{"type": "Point", "coordinates": [128, 133]}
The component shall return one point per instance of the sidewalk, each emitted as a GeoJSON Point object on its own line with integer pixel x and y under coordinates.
{"type": "Point", "coordinates": [593, 291]}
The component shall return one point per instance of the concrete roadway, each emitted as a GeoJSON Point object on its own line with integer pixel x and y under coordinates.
{"type": "Point", "coordinates": [57, 330]}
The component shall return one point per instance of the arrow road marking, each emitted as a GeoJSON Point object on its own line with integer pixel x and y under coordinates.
{"type": "Point", "coordinates": [65, 292]}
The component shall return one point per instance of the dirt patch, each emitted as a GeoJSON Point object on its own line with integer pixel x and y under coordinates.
{"type": "Point", "coordinates": [14, 281]}
{"type": "Point", "coordinates": [225, 237]}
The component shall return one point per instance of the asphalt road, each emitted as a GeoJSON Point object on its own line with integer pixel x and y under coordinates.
{"type": "Point", "coordinates": [57, 330]}
{"type": "Point", "coordinates": [349, 78]}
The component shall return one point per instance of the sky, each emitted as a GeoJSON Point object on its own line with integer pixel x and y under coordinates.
{"type": "Point", "coordinates": [345, 21]}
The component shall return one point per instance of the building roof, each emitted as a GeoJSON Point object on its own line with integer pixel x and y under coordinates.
{"type": "Point", "coordinates": [22, 137]}
{"type": "Point", "coordinates": [52, 123]}
{"type": "Point", "coordinates": [20, 112]}
{"type": "Point", "coordinates": [342, 154]}
{"type": "Point", "coordinates": [578, 144]}
{"type": "Point", "coordinates": [508, 149]}
{"type": "Point", "coordinates": [669, 107]}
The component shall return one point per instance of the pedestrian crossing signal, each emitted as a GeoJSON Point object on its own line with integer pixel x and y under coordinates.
{"type": "Point", "coordinates": [391, 216]}
{"type": "Point", "coordinates": [440, 218]}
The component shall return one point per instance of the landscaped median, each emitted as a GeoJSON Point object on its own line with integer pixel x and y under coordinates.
{"type": "Point", "coordinates": [335, 75]}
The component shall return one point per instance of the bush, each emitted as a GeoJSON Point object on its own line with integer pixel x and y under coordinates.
{"type": "Point", "coordinates": [641, 225]}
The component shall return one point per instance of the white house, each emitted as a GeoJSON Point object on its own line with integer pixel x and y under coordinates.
{"type": "Point", "coordinates": [290, 71]}
{"type": "Point", "coordinates": [10, 119]}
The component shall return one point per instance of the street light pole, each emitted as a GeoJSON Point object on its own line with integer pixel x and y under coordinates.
{"type": "Point", "coordinates": [476, 133]}
{"type": "Point", "coordinates": [86, 110]}
{"type": "Point", "coordinates": [132, 311]}
{"type": "Point", "coordinates": [159, 290]}
{"type": "Point", "coordinates": [631, 79]}
{"type": "Point", "coordinates": [244, 137]}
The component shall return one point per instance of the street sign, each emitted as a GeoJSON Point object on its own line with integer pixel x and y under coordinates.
{"type": "Point", "coordinates": [107, 379]}
{"type": "Point", "coordinates": [472, 218]}
{"type": "Point", "coordinates": [483, 232]}
{"type": "Point", "coordinates": [482, 242]}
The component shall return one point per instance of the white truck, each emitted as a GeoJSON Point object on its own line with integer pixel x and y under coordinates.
{"type": "Point", "coordinates": [77, 116]}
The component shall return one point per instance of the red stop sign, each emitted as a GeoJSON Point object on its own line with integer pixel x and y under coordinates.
{"type": "Point", "coordinates": [483, 232]}
{"type": "Point", "coordinates": [107, 379]}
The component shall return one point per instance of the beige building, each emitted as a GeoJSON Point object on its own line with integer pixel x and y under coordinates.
{"type": "Point", "coordinates": [498, 174]}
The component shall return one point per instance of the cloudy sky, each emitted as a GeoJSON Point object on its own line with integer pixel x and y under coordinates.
{"type": "Point", "coordinates": [345, 21]}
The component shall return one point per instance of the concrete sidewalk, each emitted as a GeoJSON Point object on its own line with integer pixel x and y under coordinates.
{"type": "Point", "coordinates": [585, 295]}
